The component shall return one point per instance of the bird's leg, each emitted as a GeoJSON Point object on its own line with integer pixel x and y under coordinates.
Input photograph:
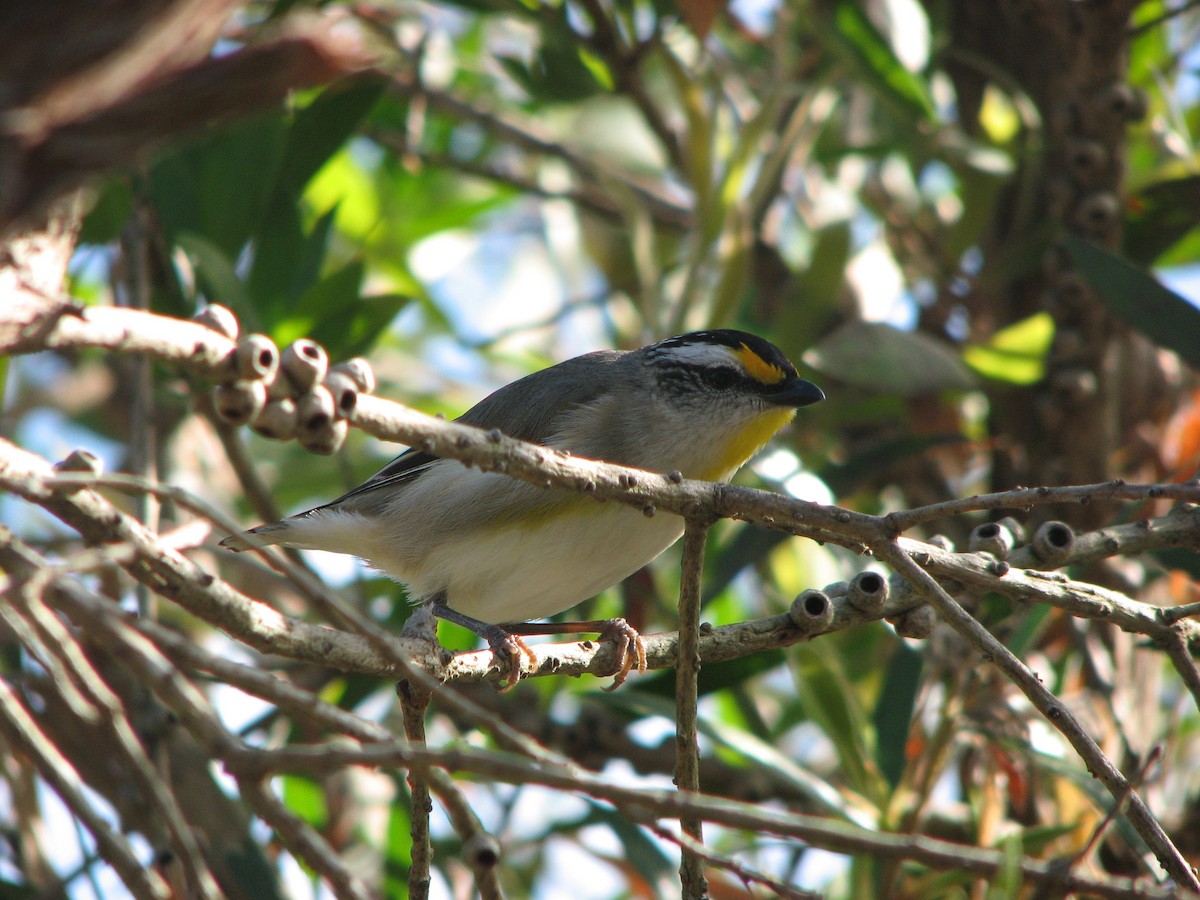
{"type": "Point", "coordinates": [504, 643]}
{"type": "Point", "coordinates": [617, 630]}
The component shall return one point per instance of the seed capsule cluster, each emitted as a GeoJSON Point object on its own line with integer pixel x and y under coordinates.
{"type": "Point", "coordinates": [293, 394]}
{"type": "Point", "coordinates": [893, 598]}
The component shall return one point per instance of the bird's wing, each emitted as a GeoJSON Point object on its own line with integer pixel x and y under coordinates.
{"type": "Point", "coordinates": [529, 409]}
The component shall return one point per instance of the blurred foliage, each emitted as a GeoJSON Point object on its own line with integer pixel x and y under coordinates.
{"type": "Point", "coordinates": [521, 182]}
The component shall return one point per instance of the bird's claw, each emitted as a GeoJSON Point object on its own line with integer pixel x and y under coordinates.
{"type": "Point", "coordinates": [508, 649]}
{"type": "Point", "coordinates": [623, 635]}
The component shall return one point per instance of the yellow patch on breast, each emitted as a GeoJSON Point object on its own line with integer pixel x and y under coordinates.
{"type": "Point", "coordinates": [742, 445]}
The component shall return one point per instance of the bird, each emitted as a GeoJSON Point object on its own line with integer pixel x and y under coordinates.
{"type": "Point", "coordinates": [491, 552]}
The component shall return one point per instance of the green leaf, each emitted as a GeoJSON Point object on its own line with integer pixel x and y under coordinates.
{"type": "Point", "coordinates": [863, 44]}
{"type": "Point", "coordinates": [330, 298]}
{"type": "Point", "coordinates": [398, 857]}
{"type": "Point", "coordinates": [645, 855]}
{"type": "Point", "coordinates": [221, 185]}
{"type": "Point", "coordinates": [1006, 884]}
{"type": "Point", "coordinates": [355, 334]}
{"type": "Point", "coordinates": [109, 213]}
{"type": "Point", "coordinates": [251, 871]}
{"type": "Point", "coordinates": [320, 129]}
{"type": "Point", "coordinates": [979, 190]}
{"type": "Point", "coordinates": [1139, 299]}
{"type": "Point", "coordinates": [754, 752]}
{"type": "Point", "coordinates": [1159, 216]}
{"type": "Point", "coordinates": [749, 546]}
{"type": "Point", "coordinates": [10, 890]}
{"type": "Point", "coordinates": [881, 358]}
{"type": "Point", "coordinates": [798, 324]}
{"type": "Point", "coordinates": [215, 274]}
{"type": "Point", "coordinates": [1088, 784]}
{"type": "Point", "coordinates": [305, 798]}
{"type": "Point", "coordinates": [344, 186]}
{"type": "Point", "coordinates": [1016, 354]}
{"type": "Point", "coordinates": [557, 73]}
{"type": "Point", "coordinates": [287, 262]}
{"type": "Point", "coordinates": [333, 313]}
{"type": "Point", "coordinates": [1031, 624]}
{"type": "Point", "coordinates": [275, 278]}
{"type": "Point", "coordinates": [831, 700]}
{"type": "Point", "coordinates": [894, 711]}
{"type": "Point", "coordinates": [1183, 558]}
{"type": "Point", "coordinates": [864, 466]}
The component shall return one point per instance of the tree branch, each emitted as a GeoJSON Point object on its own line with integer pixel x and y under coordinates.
{"type": "Point", "coordinates": [693, 884]}
{"type": "Point", "coordinates": [173, 576]}
{"type": "Point", "coordinates": [650, 804]}
{"type": "Point", "coordinates": [1049, 706]}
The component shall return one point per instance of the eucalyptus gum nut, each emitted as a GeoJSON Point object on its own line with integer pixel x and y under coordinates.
{"type": "Point", "coordinates": [344, 391]}
{"type": "Point", "coordinates": [811, 612]}
{"type": "Point", "coordinates": [1097, 213]}
{"type": "Point", "coordinates": [305, 362]}
{"type": "Point", "coordinates": [80, 461]}
{"type": "Point", "coordinates": [314, 412]}
{"type": "Point", "coordinates": [868, 592]}
{"type": "Point", "coordinates": [257, 358]}
{"type": "Point", "coordinates": [220, 319]}
{"type": "Point", "coordinates": [327, 440]}
{"type": "Point", "coordinates": [1053, 543]}
{"type": "Point", "coordinates": [917, 623]}
{"type": "Point", "coordinates": [239, 402]}
{"type": "Point", "coordinates": [281, 386]}
{"type": "Point", "coordinates": [360, 372]}
{"type": "Point", "coordinates": [277, 419]}
{"type": "Point", "coordinates": [1086, 161]}
{"type": "Point", "coordinates": [993, 538]}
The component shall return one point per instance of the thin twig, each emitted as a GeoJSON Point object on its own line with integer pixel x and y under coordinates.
{"type": "Point", "coordinates": [205, 351]}
{"type": "Point", "coordinates": [1162, 18]}
{"type": "Point", "coordinates": [1109, 817]}
{"type": "Point", "coordinates": [596, 198]}
{"type": "Point", "coordinates": [643, 803]}
{"type": "Point", "coordinates": [262, 501]}
{"type": "Point", "coordinates": [747, 875]}
{"type": "Point", "coordinates": [1048, 889]}
{"type": "Point", "coordinates": [414, 701]}
{"type": "Point", "coordinates": [1024, 498]}
{"type": "Point", "coordinates": [687, 673]}
{"type": "Point", "coordinates": [980, 572]}
{"type": "Point", "coordinates": [525, 135]}
{"type": "Point", "coordinates": [480, 850]}
{"type": "Point", "coordinates": [1048, 705]}
{"type": "Point", "coordinates": [1184, 662]}
{"type": "Point", "coordinates": [626, 65]}
{"type": "Point", "coordinates": [331, 757]}
{"type": "Point", "coordinates": [143, 443]}
{"type": "Point", "coordinates": [21, 731]}
{"type": "Point", "coordinates": [78, 676]}
{"type": "Point", "coordinates": [303, 841]}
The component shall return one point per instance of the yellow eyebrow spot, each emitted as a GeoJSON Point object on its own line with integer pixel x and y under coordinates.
{"type": "Point", "coordinates": [758, 368]}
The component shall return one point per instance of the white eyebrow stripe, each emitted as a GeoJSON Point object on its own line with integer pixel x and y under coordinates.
{"type": "Point", "coordinates": [702, 355]}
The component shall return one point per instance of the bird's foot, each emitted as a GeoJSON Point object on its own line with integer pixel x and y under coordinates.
{"type": "Point", "coordinates": [630, 648]}
{"type": "Point", "coordinates": [506, 646]}
{"type": "Point", "coordinates": [508, 649]}
{"type": "Point", "coordinates": [626, 637]}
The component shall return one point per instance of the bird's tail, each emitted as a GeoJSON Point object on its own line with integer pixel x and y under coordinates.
{"type": "Point", "coordinates": [262, 536]}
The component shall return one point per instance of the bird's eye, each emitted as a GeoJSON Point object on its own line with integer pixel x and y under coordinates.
{"type": "Point", "coordinates": [721, 379]}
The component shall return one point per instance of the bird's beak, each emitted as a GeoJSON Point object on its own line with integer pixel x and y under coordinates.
{"type": "Point", "coordinates": [796, 392]}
